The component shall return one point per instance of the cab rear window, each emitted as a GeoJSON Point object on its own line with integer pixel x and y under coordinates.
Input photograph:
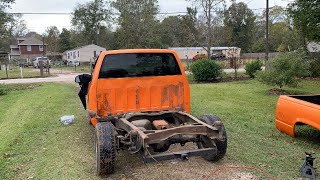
{"type": "Point", "coordinates": [139, 65]}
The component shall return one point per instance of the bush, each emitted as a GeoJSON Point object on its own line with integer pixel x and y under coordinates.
{"type": "Point", "coordinates": [206, 70]}
{"type": "Point", "coordinates": [252, 67]}
{"type": "Point", "coordinates": [3, 90]}
{"type": "Point", "coordinates": [315, 65]}
{"type": "Point", "coordinates": [286, 70]}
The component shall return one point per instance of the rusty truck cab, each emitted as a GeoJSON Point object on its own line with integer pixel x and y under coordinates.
{"type": "Point", "coordinates": [139, 100]}
{"type": "Point", "coordinates": [121, 83]}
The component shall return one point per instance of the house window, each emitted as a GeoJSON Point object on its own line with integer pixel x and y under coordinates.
{"type": "Point", "coordinates": [28, 48]}
{"type": "Point", "coordinates": [94, 53]}
{"type": "Point", "coordinates": [78, 53]}
{"type": "Point", "coordinates": [40, 48]}
{"type": "Point", "coordinates": [74, 55]}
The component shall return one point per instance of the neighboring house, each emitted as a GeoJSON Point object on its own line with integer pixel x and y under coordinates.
{"type": "Point", "coordinates": [27, 49]}
{"type": "Point", "coordinates": [84, 53]}
{"type": "Point", "coordinates": [190, 52]}
{"type": "Point", "coordinates": [313, 47]}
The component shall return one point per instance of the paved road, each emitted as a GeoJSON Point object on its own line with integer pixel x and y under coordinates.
{"type": "Point", "coordinates": [68, 77]}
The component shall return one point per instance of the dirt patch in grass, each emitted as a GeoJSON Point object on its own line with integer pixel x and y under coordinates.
{"type": "Point", "coordinates": [312, 78]}
{"type": "Point", "coordinates": [277, 91]}
{"type": "Point", "coordinates": [232, 79]}
{"type": "Point", "coordinates": [221, 80]}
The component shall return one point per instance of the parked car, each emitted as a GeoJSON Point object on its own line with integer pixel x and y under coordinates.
{"type": "Point", "coordinates": [73, 63]}
{"type": "Point", "coordinates": [199, 56]}
{"type": "Point", "coordinates": [218, 56]}
{"type": "Point", "coordinates": [23, 64]}
{"type": "Point", "coordinates": [45, 62]}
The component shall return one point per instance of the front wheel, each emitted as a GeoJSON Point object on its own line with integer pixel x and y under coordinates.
{"type": "Point", "coordinates": [105, 148]}
{"type": "Point", "coordinates": [206, 142]}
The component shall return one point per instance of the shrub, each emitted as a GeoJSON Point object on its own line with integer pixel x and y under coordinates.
{"type": "Point", "coordinates": [315, 65]}
{"type": "Point", "coordinates": [286, 70]}
{"type": "Point", "coordinates": [3, 90]}
{"type": "Point", "coordinates": [252, 67]}
{"type": "Point", "coordinates": [206, 70]}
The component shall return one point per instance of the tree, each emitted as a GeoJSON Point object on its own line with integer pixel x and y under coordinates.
{"type": "Point", "coordinates": [4, 20]}
{"type": "Point", "coordinates": [211, 11]}
{"type": "Point", "coordinates": [17, 26]}
{"type": "Point", "coordinates": [65, 40]}
{"type": "Point", "coordinates": [189, 29]}
{"type": "Point", "coordinates": [34, 35]}
{"type": "Point", "coordinates": [187, 34]}
{"type": "Point", "coordinates": [283, 37]}
{"type": "Point", "coordinates": [52, 39]}
{"type": "Point", "coordinates": [239, 23]}
{"type": "Point", "coordinates": [306, 17]}
{"type": "Point", "coordinates": [170, 37]}
{"type": "Point", "coordinates": [138, 26]}
{"type": "Point", "coordinates": [89, 18]}
{"type": "Point", "coordinates": [286, 70]}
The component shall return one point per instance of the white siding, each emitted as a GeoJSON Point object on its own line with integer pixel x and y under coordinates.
{"type": "Point", "coordinates": [87, 52]}
{"type": "Point", "coordinates": [83, 54]}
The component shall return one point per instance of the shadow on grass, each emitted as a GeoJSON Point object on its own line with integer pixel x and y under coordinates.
{"type": "Point", "coordinates": [4, 89]}
{"type": "Point", "coordinates": [278, 91]}
{"type": "Point", "coordinates": [307, 134]}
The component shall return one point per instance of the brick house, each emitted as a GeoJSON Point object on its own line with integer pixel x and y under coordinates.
{"type": "Point", "coordinates": [27, 49]}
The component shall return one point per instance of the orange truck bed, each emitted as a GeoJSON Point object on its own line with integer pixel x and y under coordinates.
{"type": "Point", "coordinates": [297, 110]}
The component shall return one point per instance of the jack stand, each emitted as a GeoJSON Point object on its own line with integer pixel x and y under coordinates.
{"type": "Point", "coordinates": [307, 169]}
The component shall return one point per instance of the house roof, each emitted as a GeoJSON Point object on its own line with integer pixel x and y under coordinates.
{"type": "Point", "coordinates": [15, 53]}
{"type": "Point", "coordinates": [14, 46]}
{"type": "Point", "coordinates": [30, 41]}
{"type": "Point", "coordinates": [80, 47]}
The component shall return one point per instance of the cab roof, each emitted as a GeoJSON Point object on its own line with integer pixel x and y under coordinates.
{"type": "Point", "coordinates": [128, 51]}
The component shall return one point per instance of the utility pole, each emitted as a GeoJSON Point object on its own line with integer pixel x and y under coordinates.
{"type": "Point", "coordinates": [267, 64]}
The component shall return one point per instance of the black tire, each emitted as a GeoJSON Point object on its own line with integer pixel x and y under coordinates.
{"type": "Point", "coordinates": [105, 148]}
{"type": "Point", "coordinates": [206, 142]}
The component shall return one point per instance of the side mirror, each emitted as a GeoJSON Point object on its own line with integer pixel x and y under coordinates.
{"type": "Point", "coordinates": [77, 79]}
{"type": "Point", "coordinates": [83, 79]}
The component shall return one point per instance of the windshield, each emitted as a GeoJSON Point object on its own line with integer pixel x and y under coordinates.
{"type": "Point", "coordinates": [139, 65]}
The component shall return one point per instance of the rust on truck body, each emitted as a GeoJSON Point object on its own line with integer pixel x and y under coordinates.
{"type": "Point", "coordinates": [138, 100]}
{"type": "Point", "coordinates": [113, 96]}
{"type": "Point", "coordinates": [295, 110]}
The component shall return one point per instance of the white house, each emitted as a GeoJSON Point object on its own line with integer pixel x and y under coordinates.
{"type": "Point", "coordinates": [84, 53]}
{"type": "Point", "coordinates": [190, 52]}
{"type": "Point", "coordinates": [313, 47]}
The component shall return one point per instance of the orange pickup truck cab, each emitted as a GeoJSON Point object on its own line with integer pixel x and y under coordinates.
{"type": "Point", "coordinates": [297, 110]}
{"type": "Point", "coordinates": [138, 81]}
{"type": "Point", "coordinates": [139, 100]}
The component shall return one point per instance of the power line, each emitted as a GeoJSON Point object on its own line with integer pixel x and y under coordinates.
{"type": "Point", "coordinates": [69, 13]}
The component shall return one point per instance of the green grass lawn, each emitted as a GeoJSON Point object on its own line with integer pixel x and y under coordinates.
{"type": "Point", "coordinates": [15, 73]}
{"type": "Point", "coordinates": [78, 69]}
{"type": "Point", "coordinates": [35, 145]}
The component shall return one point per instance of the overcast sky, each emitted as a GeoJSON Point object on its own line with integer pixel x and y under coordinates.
{"type": "Point", "coordinates": [39, 23]}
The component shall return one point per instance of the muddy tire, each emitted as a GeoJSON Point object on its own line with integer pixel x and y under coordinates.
{"type": "Point", "coordinates": [206, 142]}
{"type": "Point", "coordinates": [105, 148]}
